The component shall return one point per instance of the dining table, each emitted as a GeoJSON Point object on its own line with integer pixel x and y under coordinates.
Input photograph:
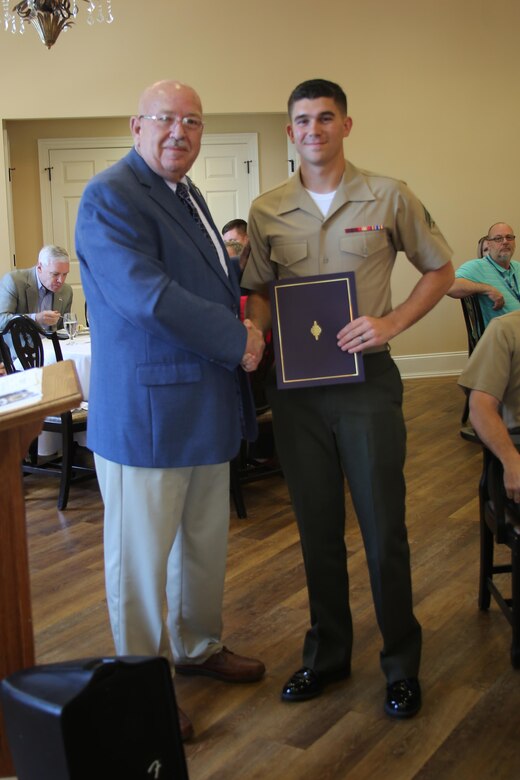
{"type": "Point", "coordinates": [79, 351]}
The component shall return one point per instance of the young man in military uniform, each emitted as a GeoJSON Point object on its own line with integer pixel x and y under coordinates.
{"type": "Point", "coordinates": [331, 217]}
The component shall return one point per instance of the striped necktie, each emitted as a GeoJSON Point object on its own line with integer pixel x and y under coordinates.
{"type": "Point", "coordinates": [183, 194]}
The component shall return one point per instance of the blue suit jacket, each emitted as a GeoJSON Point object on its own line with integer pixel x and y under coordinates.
{"type": "Point", "coordinates": [166, 341]}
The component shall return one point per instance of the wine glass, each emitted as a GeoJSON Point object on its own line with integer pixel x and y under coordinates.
{"type": "Point", "coordinates": [70, 323]}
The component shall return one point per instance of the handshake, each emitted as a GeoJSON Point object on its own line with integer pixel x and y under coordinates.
{"type": "Point", "coordinates": [254, 347]}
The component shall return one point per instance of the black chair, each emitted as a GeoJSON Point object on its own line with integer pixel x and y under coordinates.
{"type": "Point", "coordinates": [253, 462]}
{"type": "Point", "coordinates": [26, 339]}
{"type": "Point", "coordinates": [6, 357]}
{"type": "Point", "coordinates": [473, 319]}
{"type": "Point", "coordinates": [474, 328]}
{"type": "Point", "coordinates": [499, 524]}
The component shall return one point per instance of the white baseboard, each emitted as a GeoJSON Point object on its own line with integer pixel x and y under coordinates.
{"type": "Point", "coordinates": [436, 364]}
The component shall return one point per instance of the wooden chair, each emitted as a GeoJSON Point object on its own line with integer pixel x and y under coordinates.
{"type": "Point", "coordinates": [249, 465]}
{"type": "Point", "coordinates": [26, 338]}
{"type": "Point", "coordinates": [499, 524]}
{"type": "Point", "coordinates": [474, 328]}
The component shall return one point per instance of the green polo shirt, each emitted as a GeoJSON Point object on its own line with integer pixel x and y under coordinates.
{"type": "Point", "coordinates": [486, 271]}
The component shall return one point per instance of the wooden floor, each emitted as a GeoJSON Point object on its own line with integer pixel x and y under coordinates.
{"type": "Point", "coordinates": [469, 724]}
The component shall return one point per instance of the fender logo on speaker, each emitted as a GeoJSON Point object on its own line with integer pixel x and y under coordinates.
{"type": "Point", "coordinates": [154, 767]}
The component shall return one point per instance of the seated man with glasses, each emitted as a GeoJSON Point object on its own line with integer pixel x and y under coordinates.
{"type": "Point", "coordinates": [495, 278]}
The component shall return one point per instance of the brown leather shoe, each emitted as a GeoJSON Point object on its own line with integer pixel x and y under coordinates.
{"type": "Point", "coordinates": [185, 724]}
{"type": "Point", "coordinates": [226, 666]}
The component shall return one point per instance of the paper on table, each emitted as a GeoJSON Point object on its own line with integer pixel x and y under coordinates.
{"type": "Point", "coordinates": [21, 389]}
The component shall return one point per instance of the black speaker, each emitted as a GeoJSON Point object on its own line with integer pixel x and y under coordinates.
{"type": "Point", "coordinates": [94, 719]}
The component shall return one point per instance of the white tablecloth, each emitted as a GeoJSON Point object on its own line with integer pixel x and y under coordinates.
{"type": "Point", "coordinates": [79, 351]}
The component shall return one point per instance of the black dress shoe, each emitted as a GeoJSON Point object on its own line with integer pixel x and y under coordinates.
{"type": "Point", "coordinates": [306, 684]}
{"type": "Point", "coordinates": [403, 698]}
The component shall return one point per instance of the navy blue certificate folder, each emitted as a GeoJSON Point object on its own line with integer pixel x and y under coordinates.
{"type": "Point", "coordinates": [307, 314]}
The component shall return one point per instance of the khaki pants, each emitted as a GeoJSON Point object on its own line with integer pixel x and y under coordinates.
{"type": "Point", "coordinates": [165, 541]}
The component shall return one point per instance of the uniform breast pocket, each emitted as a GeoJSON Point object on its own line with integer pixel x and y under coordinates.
{"type": "Point", "coordinates": [364, 245]}
{"type": "Point", "coordinates": [290, 253]}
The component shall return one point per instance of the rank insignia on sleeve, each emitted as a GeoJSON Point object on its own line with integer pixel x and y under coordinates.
{"type": "Point", "coordinates": [428, 218]}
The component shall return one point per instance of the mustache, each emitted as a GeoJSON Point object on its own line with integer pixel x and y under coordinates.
{"type": "Point", "coordinates": [175, 143]}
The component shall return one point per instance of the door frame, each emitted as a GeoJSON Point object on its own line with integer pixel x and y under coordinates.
{"type": "Point", "coordinates": [9, 200]}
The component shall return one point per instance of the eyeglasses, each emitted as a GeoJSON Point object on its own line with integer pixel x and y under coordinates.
{"type": "Point", "coordinates": [500, 239]}
{"type": "Point", "coordinates": [192, 123]}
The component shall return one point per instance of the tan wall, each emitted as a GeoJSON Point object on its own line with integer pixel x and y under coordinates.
{"type": "Point", "coordinates": [432, 88]}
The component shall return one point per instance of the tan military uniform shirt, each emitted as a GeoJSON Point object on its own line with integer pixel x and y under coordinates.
{"type": "Point", "coordinates": [494, 366]}
{"type": "Point", "coordinates": [290, 237]}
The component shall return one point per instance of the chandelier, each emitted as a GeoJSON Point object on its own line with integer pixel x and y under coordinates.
{"type": "Point", "coordinates": [50, 17]}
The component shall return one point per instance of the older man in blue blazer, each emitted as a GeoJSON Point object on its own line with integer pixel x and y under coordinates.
{"type": "Point", "coordinates": [169, 400]}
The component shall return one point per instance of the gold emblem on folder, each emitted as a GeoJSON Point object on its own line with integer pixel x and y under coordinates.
{"type": "Point", "coordinates": [316, 330]}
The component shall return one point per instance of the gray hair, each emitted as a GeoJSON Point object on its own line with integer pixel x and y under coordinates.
{"type": "Point", "coordinates": [51, 253]}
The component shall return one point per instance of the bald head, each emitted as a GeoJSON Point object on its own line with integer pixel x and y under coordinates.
{"type": "Point", "coordinates": [167, 131]}
{"type": "Point", "coordinates": [161, 92]}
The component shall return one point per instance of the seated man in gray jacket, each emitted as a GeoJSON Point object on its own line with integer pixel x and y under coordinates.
{"type": "Point", "coordinates": [40, 291]}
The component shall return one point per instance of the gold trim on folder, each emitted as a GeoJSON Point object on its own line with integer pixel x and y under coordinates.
{"type": "Point", "coordinates": [278, 287]}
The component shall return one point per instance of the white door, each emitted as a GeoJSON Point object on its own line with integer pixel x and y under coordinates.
{"type": "Point", "coordinates": [64, 174]}
{"type": "Point", "coordinates": [226, 172]}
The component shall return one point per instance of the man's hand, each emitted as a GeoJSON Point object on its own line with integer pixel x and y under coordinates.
{"type": "Point", "coordinates": [496, 297]}
{"type": "Point", "coordinates": [254, 347]}
{"type": "Point", "coordinates": [461, 288]}
{"type": "Point", "coordinates": [512, 478]}
{"type": "Point", "coordinates": [365, 332]}
{"type": "Point", "coordinates": [46, 318]}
